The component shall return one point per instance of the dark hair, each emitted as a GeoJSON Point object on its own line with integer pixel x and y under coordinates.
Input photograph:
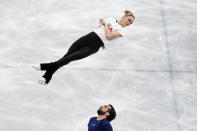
{"type": "Point", "coordinates": [112, 113]}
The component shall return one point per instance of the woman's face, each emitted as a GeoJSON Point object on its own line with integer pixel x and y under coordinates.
{"type": "Point", "coordinates": [127, 20]}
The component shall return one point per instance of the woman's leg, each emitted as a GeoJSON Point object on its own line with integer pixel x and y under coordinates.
{"type": "Point", "coordinates": [81, 53]}
{"type": "Point", "coordinates": [81, 48]}
{"type": "Point", "coordinates": [74, 47]}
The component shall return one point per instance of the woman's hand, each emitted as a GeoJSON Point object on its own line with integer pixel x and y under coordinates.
{"type": "Point", "coordinates": [109, 34]}
{"type": "Point", "coordinates": [102, 21]}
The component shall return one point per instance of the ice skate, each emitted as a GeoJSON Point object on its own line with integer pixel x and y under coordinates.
{"type": "Point", "coordinates": [37, 67]}
{"type": "Point", "coordinates": [42, 81]}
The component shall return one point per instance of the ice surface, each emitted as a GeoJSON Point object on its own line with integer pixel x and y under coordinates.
{"type": "Point", "coordinates": [150, 76]}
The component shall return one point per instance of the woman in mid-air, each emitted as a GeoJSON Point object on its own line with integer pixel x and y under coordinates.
{"type": "Point", "coordinates": [89, 44]}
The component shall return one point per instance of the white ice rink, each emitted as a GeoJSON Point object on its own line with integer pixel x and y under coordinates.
{"type": "Point", "coordinates": [150, 76]}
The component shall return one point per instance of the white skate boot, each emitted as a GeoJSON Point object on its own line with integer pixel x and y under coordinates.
{"type": "Point", "coordinates": [42, 81]}
{"type": "Point", "coordinates": [37, 67]}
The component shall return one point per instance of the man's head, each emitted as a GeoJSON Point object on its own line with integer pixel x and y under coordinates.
{"type": "Point", "coordinates": [108, 111]}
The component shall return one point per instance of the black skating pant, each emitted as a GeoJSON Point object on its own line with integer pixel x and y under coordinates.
{"type": "Point", "coordinates": [81, 48]}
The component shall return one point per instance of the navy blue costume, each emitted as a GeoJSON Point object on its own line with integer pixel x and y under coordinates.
{"type": "Point", "coordinates": [99, 125]}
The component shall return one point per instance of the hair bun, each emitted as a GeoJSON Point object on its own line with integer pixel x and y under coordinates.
{"type": "Point", "coordinates": [128, 13]}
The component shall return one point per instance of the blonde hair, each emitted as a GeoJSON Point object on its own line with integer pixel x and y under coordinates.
{"type": "Point", "coordinates": [129, 13]}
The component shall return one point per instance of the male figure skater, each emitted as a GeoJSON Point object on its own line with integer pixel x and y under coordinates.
{"type": "Point", "coordinates": [106, 114]}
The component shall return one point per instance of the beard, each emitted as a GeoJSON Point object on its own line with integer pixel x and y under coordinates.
{"type": "Point", "coordinates": [100, 112]}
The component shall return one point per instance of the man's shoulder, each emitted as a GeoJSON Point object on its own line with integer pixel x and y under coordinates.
{"type": "Point", "coordinates": [105, 122]}
{"type": "Point", "coordinates": [93, 118]}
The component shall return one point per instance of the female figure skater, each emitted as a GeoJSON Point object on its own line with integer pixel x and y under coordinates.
{"type": "Point", "coordinates": [89, 44]}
